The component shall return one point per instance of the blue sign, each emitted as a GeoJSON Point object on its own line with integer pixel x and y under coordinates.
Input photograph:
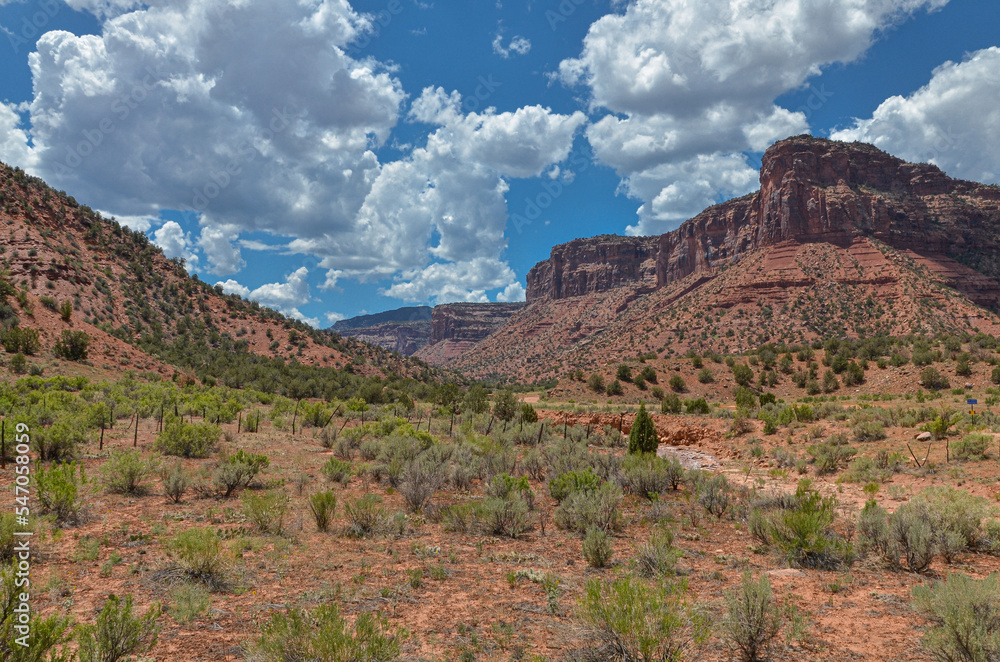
{"type": "Point", "coordinates": [972, 402]}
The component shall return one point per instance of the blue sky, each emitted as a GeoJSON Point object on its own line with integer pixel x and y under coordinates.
{"type": "Point", "coordinates": [330, 158]}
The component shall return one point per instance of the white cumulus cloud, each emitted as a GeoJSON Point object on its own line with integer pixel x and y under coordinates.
{"type": "Point", "coordinates": [284, 297]}
{"type": "Point", "coordinates": [690, 86]}
{"type": "Point", "coordinates": [453, 281]}
{"type": "Point", "coordinates": [175, 242]}
{"type": "Point", "coordinates": [952, 122]}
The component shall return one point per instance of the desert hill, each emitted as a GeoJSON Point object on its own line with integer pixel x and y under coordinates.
{"type": "Point", "coordinates": [842, 240]}
{"type": "Point", "coordinates": [141, 310]}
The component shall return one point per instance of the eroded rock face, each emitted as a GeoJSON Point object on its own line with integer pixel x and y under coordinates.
{"type": "Point", "coordinates": [599, 264]}
{"type": "Point", "coordinates": [812, 191]}
{"type": "Point", "coordinates": [469, 322]}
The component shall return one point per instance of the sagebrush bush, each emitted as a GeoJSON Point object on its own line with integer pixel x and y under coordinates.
{"type": "Point", "coordinates": [657, 556]}
{"type": "Point", "coordinates": [628, 619]}
{"type": "Point", "coordinates": [972, 447]}
{"type": "Point", "coordinates": [584, 509]}
{"type": "Point", "coordinates": [752, 620]}
{"type": "Point", "coordinates": [713, 493]}
{"type": "Point", "coordinates": [187, 439]}
{"type": "Point", "coordinates": [420, 480]}
{"type": "Point", "coordinates": [124, 472]}
{"type": "Point", "coordinates": [509, 517]}
{"type": "Point", "coordinates": [322, 505]}
{"type": "Point", "coordinates": [832, 454]}
{"type": "Point", "coordinates": [324, 634]}
{"type": "Point", "coordinates": [175, 482]}
{"type": "Point", "coordinates": [648, 475]}
{"type": "Point", "coordinates": [865, 431]}
{"type": "Point", "coordinates": [118, 634]}
{"type": "Point", "coordinates": [597, 549]}
{"type": "Point", "coordinates": [365, 516]}
{"type": "Point", "coordinates": [966, 613]}
{"type": "Point", "coordinates": [337, 471]}
{"type": "Point", "coordinates": [200, 554]}
{"type": "Point", "coordinates": [60, 490]}
{"type": "Point", "coordinates": [266, 511]}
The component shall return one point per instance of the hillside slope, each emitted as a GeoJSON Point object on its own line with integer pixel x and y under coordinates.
{"type": "Point", "coordinates": [141, 309]}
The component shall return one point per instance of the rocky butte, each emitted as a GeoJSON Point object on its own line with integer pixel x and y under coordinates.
{"type": "Point", "coordinates": [834, 225]}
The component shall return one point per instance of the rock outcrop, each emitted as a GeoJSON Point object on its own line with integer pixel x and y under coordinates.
{"type": "Point", "coordinates": [812, 191]}
{"type": "Point", "coordinates": [403, 330]}
{"type": "Point", "coordinates": [469, 322]}
{"type": "Point", "coordinates": [587, 266]}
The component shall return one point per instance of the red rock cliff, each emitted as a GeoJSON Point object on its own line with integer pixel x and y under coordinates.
{"type": "Point", "coordinates": [811, 190]}
{"type": "Point", "coordinates": [585, 266]}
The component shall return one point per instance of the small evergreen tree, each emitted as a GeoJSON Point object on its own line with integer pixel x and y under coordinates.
{"type": "Point", "coordinates": [642, 438]}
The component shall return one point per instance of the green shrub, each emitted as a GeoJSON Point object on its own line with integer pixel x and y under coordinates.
{"type": "Point", "coordinates": [187, 439]}
{"type": "Point", "coordinates": [188, 602]}
{"type": "Point", "coordinates": [323, 634]}
{"type": "Point", "coordinates": [72, 345]}
{"type": "Point", "coordinates": [585, 509]}
{"type": "Point", "coordinates": [865, 431]}
{"type": "Point", "coordinates": [20, 340]}
{"type": "Point", "coordinates": [566, 483]}
{"type": "Point", "coordinates": [508, 517]}
{"type": "Point", "coordinates": [705, 376]}
{"type": "Point", "coordinates": [697, 406]}
{"type": "Point", "coordinates": [124, 472]}
{"type": "Point", "coordinates": [505, 405]}
{"type": "Point", "coordinates": [627, 619]}
{"type": "Point", "coordinates": [365, 516]}
{"type": "Point", "coordinates": [624, 373]}
{"type": "Point", "coordinates": [597, 548]}
{"type": "Point", "coordinates": [322, 505]}
{"type": "Point", "coordinates": [266, 512]}
{"type": "Point", "coordinates": [742, 373]}
{"type": "Point", "coordinates": [933, 380]}
{"type": "Point", "coordinates": [751, 621]}
{"type": "Point", "coordinates": [59, 490]}
{"type": "Point", "coordinates": [831, 455]}
{"type": "Point", "coordinates": [648, 475]}
{"type": "Point", "coordinates": [614, 388]}
{"type": "Point", "coordinates": [58, 442]}
{"type": "Point", "coordinates": [643, 438]}
{"type": "Point", "coordinates": [118, 634]}
{"type": "Point", "coordinates": [657, 556]}
{"type": "Point", "coordinates": [966, 614]}
{"type": "Point", "coordinates": [745, 398]}
{"type": "Point", "coordinates": [677, 384]}
{"type": "Point", "coordinates": [337, 471]}
{"type": "Point", "coordinates": [199, 554]}
{"type": "Point", "coordinates": [804, 532]}
{"type": "Point", "coordinates": [671, 404]}
{"type": "Point", "coordinates": [253, 463]}
{"type": "Point", "coordinates": [596, 383]}
{"type": "Point", "coordinates": [972, 447]}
